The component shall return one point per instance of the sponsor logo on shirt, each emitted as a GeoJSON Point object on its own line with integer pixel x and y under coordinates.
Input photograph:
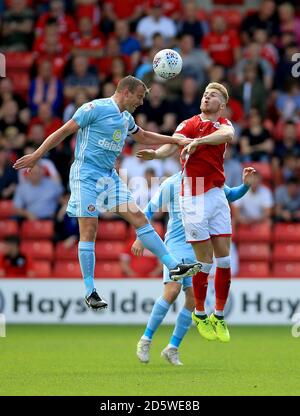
{"type": "Point", "coordinates": [117, 136]}
{"type": "Point", "coordinates": [114, 147]}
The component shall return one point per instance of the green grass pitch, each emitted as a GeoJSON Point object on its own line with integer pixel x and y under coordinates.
{"type": "Point", "coordinates": [100, 360]}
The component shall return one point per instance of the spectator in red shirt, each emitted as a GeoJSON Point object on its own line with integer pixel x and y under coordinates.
{"type": "Point", "coordinates": [223, 45]}
{"type": "Point", "coordinates": [66, 23]}
{"type": "Point", "coordinates": [89, 41]}
{"type": "Point", "coordinates": [133, 266]}
{"type": "Point", "coordinates": [53, 46]}
{"type": "Point", "coordinates": [46, 119]}
{"type": "Point", "coordinates": [13, 263]}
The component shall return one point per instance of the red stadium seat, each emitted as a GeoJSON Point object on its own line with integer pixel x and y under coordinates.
{"type": "Point", "coordinates": [282, 269]}
{"type": "Point", "coordinates": [108, 269]}
{"type": "Point", "coordinates": [63, 253]}
{"type": "Point", "coordinates": [8, 227]}
{"type": "Point", "coordinates": [112, 230]}
{"type": "Point", "coordinates": [286, 232]}
{"type": "Point", "coordinates": [6, 208]}
{"type": "Point", "coordinates": [34, 230]}
{"type": "Point", "coordinates": [38, 249]}
{"type": "Point", "coordinates": [67, 269]}
{"type": "Point", "coordinates": [42, 269]}
{"type": "Point", "coordinates": [21, 61]}
{"type": "Point", "coordinates": [21, 82]}
{"type": "Point", "coordinates": [109, 250]}
{"type": "Point", "coordinates": [254, 269]}
{"type": "Point", "coordinates": [254, 251]}
{"type": "Point", "coordinates": [286, 252]}
{"type": "Point", "coordinates": [253, 232]}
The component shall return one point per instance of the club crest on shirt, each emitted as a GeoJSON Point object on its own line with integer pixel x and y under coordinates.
{"type": "Point", "coordinates": [181, 126]}
{"type": "Point", "coordinates": [91, 208]}
{"type": "Point", "coordinates": [117, 136]}
{"type": "Point", "coordinates": [217, 125]}
{"type": "Point", "coordinates": [88, 107]}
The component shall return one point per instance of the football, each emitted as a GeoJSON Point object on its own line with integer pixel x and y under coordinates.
{"type": "Point", "coordinates": [167, 63]}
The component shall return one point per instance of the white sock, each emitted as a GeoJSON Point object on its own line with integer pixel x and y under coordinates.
{"type": "Point", "coordinates": [200, 313]}
{"type": "Point", "coordinates": [219, 313]}
{"type": "Point", "coordinates": [146, 338]}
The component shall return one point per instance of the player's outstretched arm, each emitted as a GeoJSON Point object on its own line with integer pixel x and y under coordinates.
{"type": "Point", "coordinates": [28, 161]}
{"type": "Point", "coordinates": [233, 194]}
{"type": "Point", "coordinates": [162, 152]}
{"type": "Point", "coordinates": [148, 137]}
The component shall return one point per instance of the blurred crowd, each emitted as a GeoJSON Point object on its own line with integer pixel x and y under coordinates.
{"type": "Point", "coordinates": [75, 51]}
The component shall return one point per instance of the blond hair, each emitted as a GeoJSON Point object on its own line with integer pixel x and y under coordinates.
{"type": "Point", "coordinates": [220, 88]}
{"type": "Point", "coordinates": [131, 83]}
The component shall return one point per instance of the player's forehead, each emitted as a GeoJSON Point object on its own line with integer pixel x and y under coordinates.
{"type": "Point", "coordinates": [212, 92]}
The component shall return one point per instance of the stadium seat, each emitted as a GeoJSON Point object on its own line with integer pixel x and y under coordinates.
{"type": "Point", "coordinates": [6, 208]}
{"type": "Point", "coordinates": [38, 249]}
{"type": "Point", "coordinates": [37, 230]}
{"type": "Point", "coordinates": [112, 230]}
{"type": "Point", "coordinates": [254, 269]}
{"type": "Point", "coordinates": [282, 269]}
{"type": "Point", "coordinates": [21, 82]}
{"type": "Point", "coordinates": [42, 269]}
{"type": "Point", "coordinates": [286, 252]}
{"type": "Point", "coordinates": [289, 232]}
{"type": "Point", "coordinates": [109, 250]}
{"type": "Point", "coordinates": [21, 61]}
{"type": "Point", "coordinates": [108, 269]}
{"type": "Point", "coordinates": [253, 232]}
{"type": "Point", "coordinates": [67, 269]}
{"type": "Point", "coordinates": [254, 251]}
{"type": "Point", "coordinates": [64, 253]}
{"type": "Point", "coordinates": [8, 227]}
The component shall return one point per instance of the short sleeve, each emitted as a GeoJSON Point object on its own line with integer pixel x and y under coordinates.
{"type": "Point", "coordinates": [85, 114]}
{"type": "Point", "coordinates": [132, 127]}
{"type": "Point", "coordinates": [186, 128]}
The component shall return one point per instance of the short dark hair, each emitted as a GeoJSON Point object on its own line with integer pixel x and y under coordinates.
{"type": "Point", "coordinates": [131, 83]}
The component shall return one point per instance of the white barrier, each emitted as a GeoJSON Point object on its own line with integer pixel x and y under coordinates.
{"type": "Point", "coordinates": [252, 301]}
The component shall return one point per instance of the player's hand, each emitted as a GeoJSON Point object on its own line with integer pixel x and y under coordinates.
{"type": "Point", "coordinates": [248, 175]}
{"type": "Point", "coordinates": [27, 161]}
{"type": "Point", "coordinates": [137, 248]}
{"type": "Point", "coordinates": [189, 149]}
{"type": "Point", "coordinates": [147, 154]}
{"type": "Point", "coordinates": [183, 141]}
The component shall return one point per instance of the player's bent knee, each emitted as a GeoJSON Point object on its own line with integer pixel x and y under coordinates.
{"type": "Point", "coordinates": [171, 291]}
{"type": "Point", "coordinates": [223, 262]}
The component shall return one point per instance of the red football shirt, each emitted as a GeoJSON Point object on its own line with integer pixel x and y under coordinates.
{"type": "Point", "coordinates": [220, 47]}
{"type": "Point", "coordinates": [207, 161]}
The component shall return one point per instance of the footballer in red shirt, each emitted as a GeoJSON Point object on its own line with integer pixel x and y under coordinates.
{"type": "Point", "coordinates": [205, 210]}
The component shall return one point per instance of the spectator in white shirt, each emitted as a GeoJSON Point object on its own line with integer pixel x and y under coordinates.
{"type": "Point", "coordinates": [155, 22]}
{"type": "Point", "coordinates": [256, 205]}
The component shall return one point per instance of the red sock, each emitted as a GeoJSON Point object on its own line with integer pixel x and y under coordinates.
{"type": "Point", "coordinates": [200, 289]}
{"type": "Point", "coordinates": [222, 285]}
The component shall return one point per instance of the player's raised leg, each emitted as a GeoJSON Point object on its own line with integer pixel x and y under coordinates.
{"type": "Point", "coordinates": [151, 240]}
{"type": "Point", "coordinates": [221, 246]}
{"type": "Point", "coordinates": [86, 254]}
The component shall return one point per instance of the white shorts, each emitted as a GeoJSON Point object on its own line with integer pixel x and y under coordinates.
{"type": "Point", "coordinates": [206, 215]}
